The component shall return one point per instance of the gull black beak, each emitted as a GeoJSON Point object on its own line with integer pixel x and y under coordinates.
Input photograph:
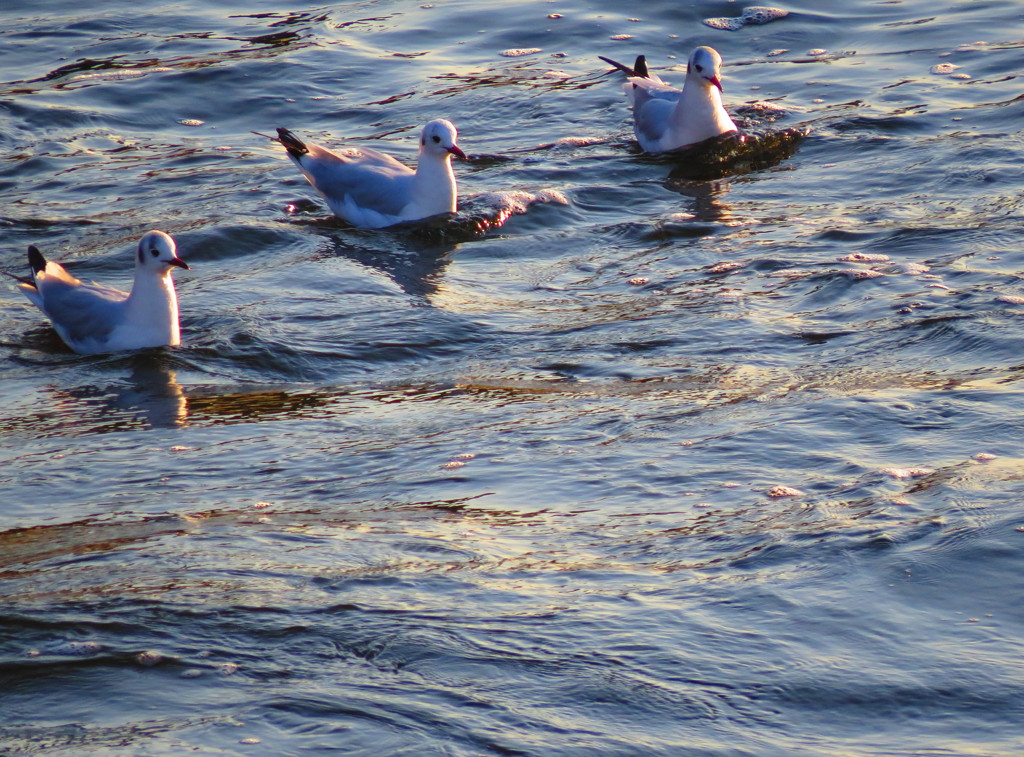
{"type": "Point", "coordinates": [178, 262]}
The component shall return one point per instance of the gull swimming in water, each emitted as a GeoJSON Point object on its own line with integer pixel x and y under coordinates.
{"type": "Point", "coordinates": [93, 318]}
{"type": "Point", "coordinates": [371, 189]}
{"type": "Point", "coordinates": [665, 118]}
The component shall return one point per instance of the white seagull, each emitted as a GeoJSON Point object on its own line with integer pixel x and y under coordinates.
{"type": "Point", "coordinates": [93, 318]}
{"type": "Point", "coordinates": [665, 118]}
{"type": "Point", "coordinates": [370, 189]}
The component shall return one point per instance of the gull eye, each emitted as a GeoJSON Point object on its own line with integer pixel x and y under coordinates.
{"type": "Point", "coordinates": [154, 253]}
{"type": "Point", "coordinates": [699, 67]}
{"type": "Point", "coordinates": [436, 138]}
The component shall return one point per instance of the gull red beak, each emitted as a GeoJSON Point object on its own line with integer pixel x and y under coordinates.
{"type": "Point", "coordinates": [717, 82]}
{"type": "Point", "coordinates": [457, 152]}
{"type": "Point", "coordinates": [178, 262]}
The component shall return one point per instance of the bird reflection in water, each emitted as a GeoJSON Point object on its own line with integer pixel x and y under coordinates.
{"type": "Point", "coordinates": [414, 254]}
{"type": "Point", "coordinates": [149, 395]}
{"type": "Point", "coordinates": [153, 393]}
{"type": "Point", "coordinates": [706, 204]}
{"type": "Point", "coordinates": [701, 172]}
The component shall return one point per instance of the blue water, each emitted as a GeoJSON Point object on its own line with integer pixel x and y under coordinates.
{"type": "Point", "coordinates": [630, 457]}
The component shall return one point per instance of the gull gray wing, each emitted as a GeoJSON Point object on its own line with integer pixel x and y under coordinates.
{"type": "Point", "coordinates": [653, 103]}
{"type": "Point", "coordinates": [84, 312]}
{"type": "Point", "coordinates": [370, 178]}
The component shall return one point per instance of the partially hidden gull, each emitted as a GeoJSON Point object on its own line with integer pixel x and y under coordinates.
{"type": "Point", "coordinates": [373, 190]}
{"type": "Point", "coordinates": [666, 118]}
{"type": "Point", "coordinates": [92, 318]}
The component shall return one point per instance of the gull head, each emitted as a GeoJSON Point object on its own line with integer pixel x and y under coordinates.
{"type": "Point", "coordinates": [439, 139]}
{"type": "Point", "coordinates": [158, 253]}
{"type": "Point", "coordinates": [705, 67]}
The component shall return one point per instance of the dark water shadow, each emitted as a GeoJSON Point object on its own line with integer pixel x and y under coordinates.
{"type": "Point", "coordinates": [414, 254]}
{"type": "Point", "coordinates": [730, 155]}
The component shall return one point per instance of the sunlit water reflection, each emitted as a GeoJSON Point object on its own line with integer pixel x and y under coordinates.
{"type": "Point", "coordinates": [708, 454]}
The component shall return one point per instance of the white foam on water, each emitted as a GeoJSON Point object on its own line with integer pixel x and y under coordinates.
{"type": "Point", "coordinates": [724, 24]}
{"type": "Point", "coordinates": [577, 141]}
{"type": "Point", "coordinates": [518, 200]}
{"type": "Point", "coordinates": [75, 648]}
{"type": "Point", "coordinates": [149, 658]}
{"type": "Point", "coordinates": [518, 52]}
{"type": "Point", "coordinates": [903, 473]}
{"type": "Point", "coordinates": [121, 73]}
{"type": "Point", "coordinates": [762, 14]}
{"type": "Point", "coordinates": [784, 491]}
{"type": "Point", "coordinates": [864, 257]}
{"type": "Point", "coordinates": [754, 14]}
{"type": "Point", "coordinates": [725, 265]}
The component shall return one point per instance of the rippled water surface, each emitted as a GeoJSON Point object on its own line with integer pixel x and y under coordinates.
{"type": "Point", "coordinates": [632, 456]}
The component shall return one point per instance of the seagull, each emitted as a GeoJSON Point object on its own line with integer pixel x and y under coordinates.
{"type": "Point", "coordinates": [370, 189]}
{"type": "Point", "coordinates": [93, 318]}
{"type": "Point", "coordinates": [665, 118]}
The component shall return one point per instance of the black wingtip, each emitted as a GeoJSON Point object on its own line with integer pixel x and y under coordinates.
{"type": "Point", "coordinates": [36, 259]}
{"type": "Point", "coordinates": [640, 67]}
{"type": "Point", "coordinates": [621, 66]}
{"type": "Point", "coordinates": [295, 146]}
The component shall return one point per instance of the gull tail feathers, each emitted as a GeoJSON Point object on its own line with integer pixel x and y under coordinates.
{"type": "Point", "coordinates": [639, 67]}
{"type": "Point", "coordinates": [38, 264]}
{"type": "Point", "coordinates": [36, 259]}
{"type": "Point", "coordinates": [295, 146]}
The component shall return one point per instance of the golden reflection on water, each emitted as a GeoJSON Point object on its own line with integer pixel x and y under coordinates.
{"type": "Point", "coordinates": [154, 398]}
{"type": "Point", "coordinates": [151, 398]}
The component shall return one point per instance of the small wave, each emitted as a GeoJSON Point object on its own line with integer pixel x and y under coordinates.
{"type": "Point", "coordinates": [518, 201]}
{"type": "Point", "coordinates": [566, 142]}
{"type": "Point", "coordinates": [482, 213]}
{"type": "Point", "coordinates": [118, 74]}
